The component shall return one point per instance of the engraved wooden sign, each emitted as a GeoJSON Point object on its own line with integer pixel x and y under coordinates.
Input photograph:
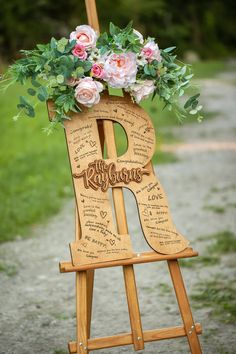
{"type": "Point", "coordinates": [93, 176]}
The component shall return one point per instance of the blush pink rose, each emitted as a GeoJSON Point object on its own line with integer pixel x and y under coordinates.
{"type": "Point", "coordinates": [87, 91]}
{"type": "Point", "coordinates": [120, 69]}
{"type": "Point", "coordinates": [85, 36]}
{"type": "Point", "coordinates": [98, 71]}
{"type": "Point", "coordinates": [79, 51]}
{"type": "Point", "coordinates": [142, 89]}
{"type": "Point", "coordinates": [72, 81]}
{"type": "Point", "coordinates": [151, 51]}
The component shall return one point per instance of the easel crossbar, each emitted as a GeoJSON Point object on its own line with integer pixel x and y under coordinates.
{"type": "Point", "coordinates": [126, 338]}
{"type": "Point", "coordinates": [145, 257]}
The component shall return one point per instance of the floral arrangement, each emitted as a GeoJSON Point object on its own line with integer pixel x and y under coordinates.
{"type": "Point", "coordinates": [74, 71]}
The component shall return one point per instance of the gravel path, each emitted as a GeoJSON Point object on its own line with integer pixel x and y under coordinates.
{"type": "Point", "coordinates": [37, 305]}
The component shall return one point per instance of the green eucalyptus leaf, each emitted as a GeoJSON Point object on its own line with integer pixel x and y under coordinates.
{"type": "Point", "coordinates": [42, 92]}
{"type": "Point", "coordinates": [30, 112]}
{"type": "Point", "coordinates": [53, 43]}
{"type": "Point", "coordinates": [87, 65]}
{"type": "Point", "coordinates": [188, 77]}
{"type": "Point", "coordinates": [112, 29]}
{"type": "Point", "coordinates": [146, 69]}
{"type": "Point", "coordinates": [190, 101]}
{"type": "Point", "coordinates": [194, 104]}
{"type": "Point", "coordinates": [31, 92]}
{"type": "Point", "coordinates": [20, 106]}
{"type": "Point", "coordinates": [63, 41]}
{"type": "Point", "coordinates": [79, 71]}
{"type": "Point", "coordinates": [35, 83]}
{"type": "Point", "coordinates": [169, 49]}
{"type": "Point", "coordinates": [193, 111]}
{"type": "Point", "coordinates": [195, 96]}
{"type": "Point", "coordinates": [41, 97]}
{"type": "Point", "coordinates": [26, 106]}
{"type": "Point", "coordinates": [41, 47]}
{"type": "Point", "coordinates": [52, 81]}
{"type": "Point", "coordinates": [103, 50]}
{"type": "Point", "coordinates": [24, 101]}
{"type": "Point", "coordinates": [128, 28]}
{"type": "Point", "coordinates": [152, 71]}
{"type": "Point", "coordinates": [60, 79]}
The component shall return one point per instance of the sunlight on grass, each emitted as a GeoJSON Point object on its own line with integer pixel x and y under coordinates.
{"type": "Point", "coordinates": [34, 174]}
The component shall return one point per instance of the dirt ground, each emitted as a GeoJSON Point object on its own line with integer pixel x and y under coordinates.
{"type": "Point", "coordinates": [37, 304]}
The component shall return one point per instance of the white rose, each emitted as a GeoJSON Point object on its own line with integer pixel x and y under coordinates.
{"type": "Point", "coordinates": [85, 36]}
{"type": "Point", "coordinates": [139, 35]}
{"type": "Point", "coordinates": [142, 89]}
{"type": "Point", "coordinates": [120, 69]}
{"type": "Point", "coordinates": [87, 91]}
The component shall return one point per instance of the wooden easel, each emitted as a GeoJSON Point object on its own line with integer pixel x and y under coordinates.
{"type": "Point", "coordinates": [85, 272]}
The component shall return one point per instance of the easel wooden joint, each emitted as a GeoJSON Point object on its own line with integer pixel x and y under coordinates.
{"type": "Point", "coordinates": [85, 269]}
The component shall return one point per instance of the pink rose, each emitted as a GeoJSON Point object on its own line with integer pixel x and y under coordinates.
{"type": "Point", "coordinates": [120, 69]}
{"type": "Point", "coordinates": [87, 91]}
{"type": "Point", "coordinates": [79, 51]}
{"type": "Point", "coordinates": [142, 89]}
{"type": "Point", "coordinates": [98, 71]}
{"type": "Point", "coordinates": [151, 51]}
{"type": "Point", "coordinates": [72, 81]}
{"type": "Point", "coordinates": [85, 36]}
{"type": "Point", "coordinates": [148, 52]}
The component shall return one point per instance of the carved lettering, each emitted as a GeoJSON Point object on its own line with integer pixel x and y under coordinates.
{"type": "Point", "coordinates": [102, 175]}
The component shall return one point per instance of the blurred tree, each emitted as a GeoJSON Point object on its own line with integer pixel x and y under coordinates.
{"type": "Point", "coordinates": [206, 26]}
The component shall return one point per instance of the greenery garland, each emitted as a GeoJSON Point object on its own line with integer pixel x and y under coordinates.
{"type": "Point", "coordinates": [73, 72]}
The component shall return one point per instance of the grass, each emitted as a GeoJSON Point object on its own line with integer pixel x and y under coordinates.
{"type": "Point", "coordinates": [9, 270]}
{"type": "Point", "coordinates": [34, 169]}
{"type": "Point", "coordinates": [215, 209]}
{"type": "Point", "coordinates": [164, 288]}
{"type": "Point", "coordinates": [219, 295]}
{"type": "Point", "coordinates": [205, 261]}
{"type": "Point", "coordinates": [208, 68]}
{"type": "Point", "coordinates": [224, 242]}
{"type": "Point", "coordinates": [60, 316]}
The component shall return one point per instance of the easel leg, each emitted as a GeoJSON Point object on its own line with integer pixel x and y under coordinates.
{"type": "Point", "coordinates": [184, 307]}
{"type": "Point", "coordinates": [82, 312]}
{"type": "Point", "coordinates": [90, 282]}
{"type": "Point", "coordinates": [134, 313]}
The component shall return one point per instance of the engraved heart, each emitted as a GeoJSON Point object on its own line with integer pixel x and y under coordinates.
{"type": "Point", "coordinates": [115, 110]}
{"type": "Point", "coordinates": [103, 214]}
{"type": "Point", "coordinates": [145, 212]}
{"type": "Point", "coordinates": [112, 242]}
{"type": "Point", "coordinates": [84, 244]}
{"type": "Point", "coordinates": [92, 143]}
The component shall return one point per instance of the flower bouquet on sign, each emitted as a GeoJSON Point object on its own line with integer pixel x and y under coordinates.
{"type": "Point", "coordinates": [75, 71]}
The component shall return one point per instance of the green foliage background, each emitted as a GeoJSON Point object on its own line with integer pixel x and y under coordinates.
{"type": "Point", "coordinates": [206, 26]}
